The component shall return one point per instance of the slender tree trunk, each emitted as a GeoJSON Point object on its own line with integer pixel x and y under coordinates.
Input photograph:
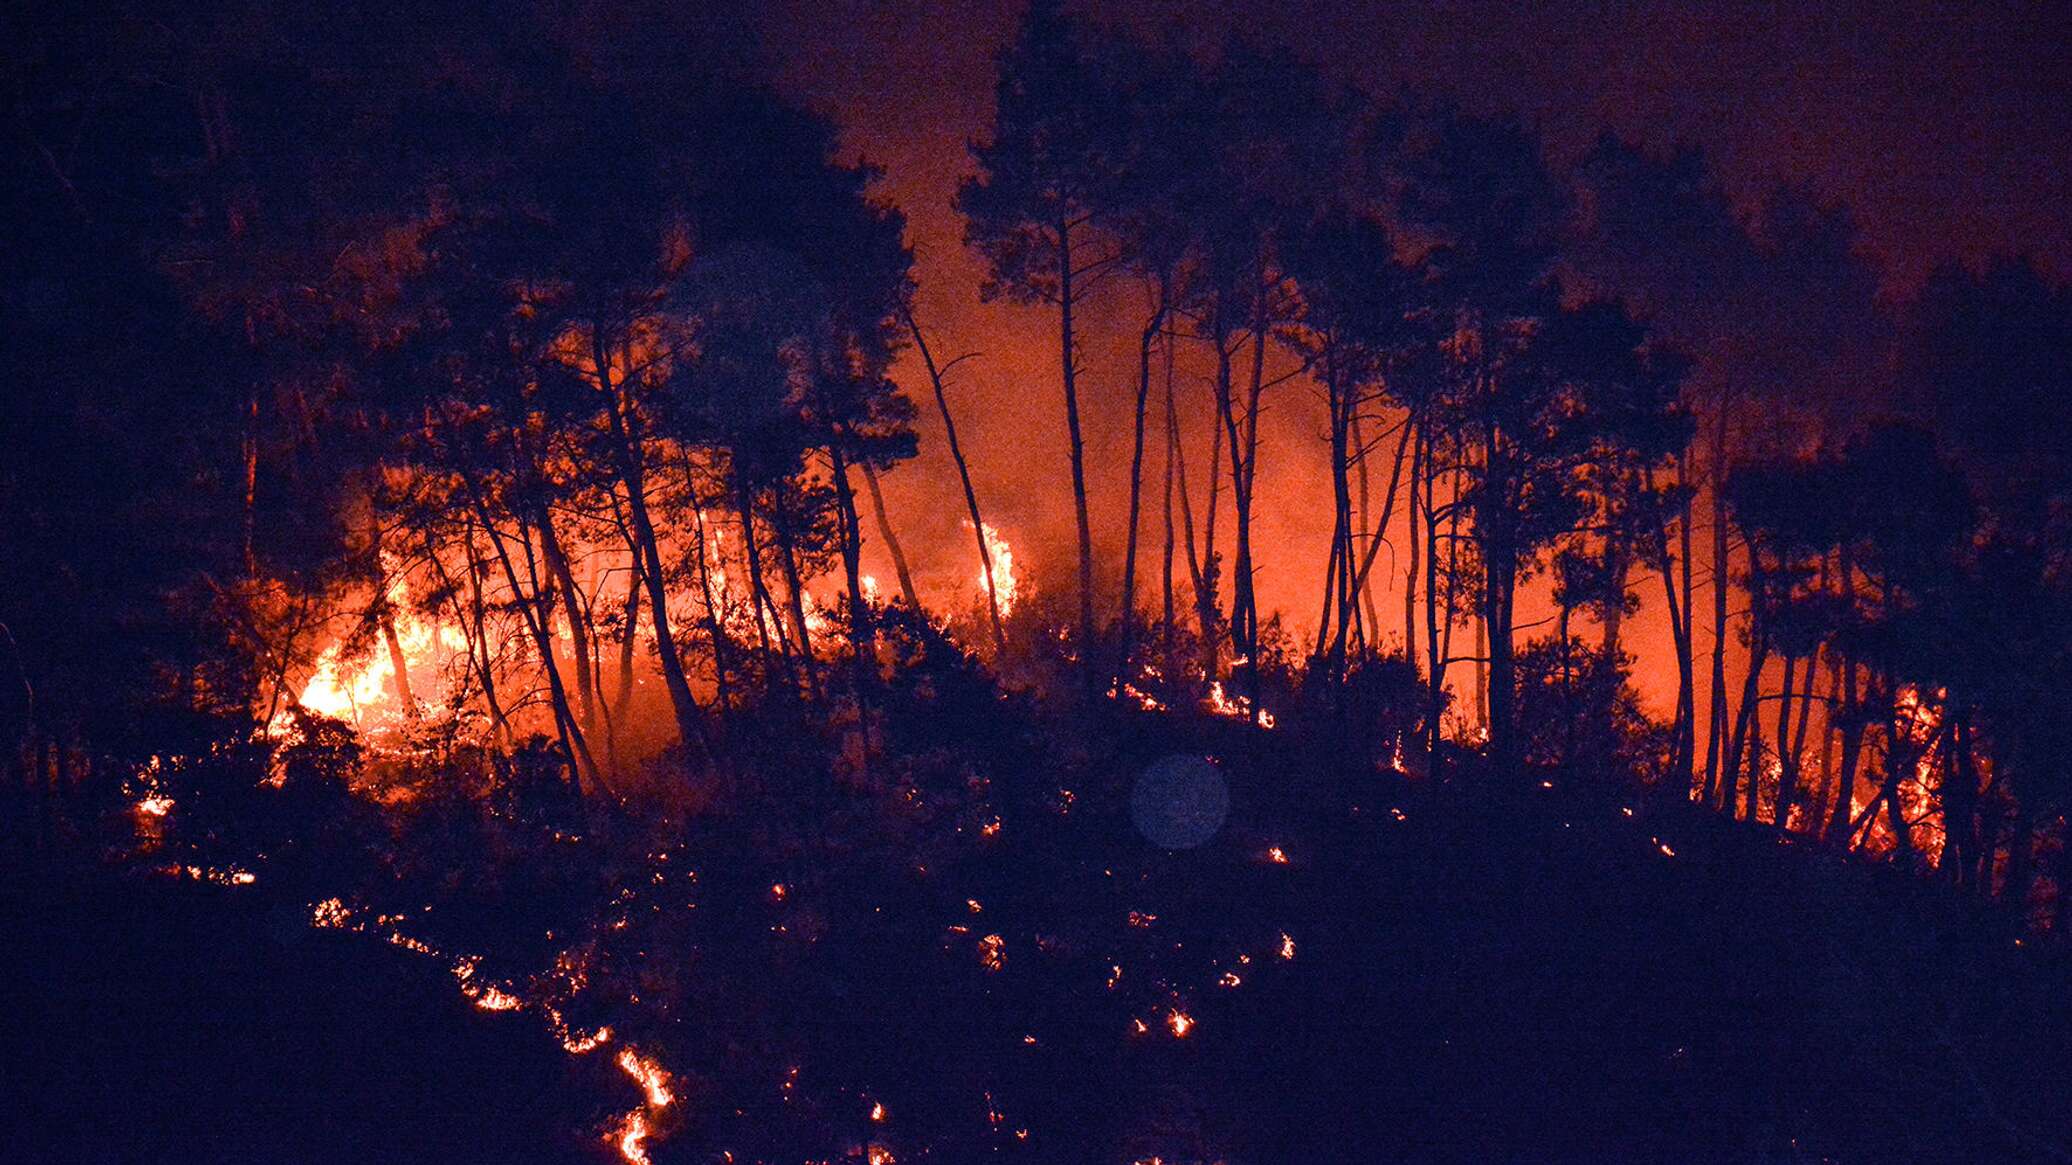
{"type": "Point", "coordinates": [475, 626]}
{"type": "Point", "coordinates": [1370, 612]}
{"type": "Point", "coordinates": [715, 622]}
{"type": "Point", "coordinates": [1129, 562]}
{"type": "Point", "coordinates": [899, 559]}
{"type": "Point", "coordinates": [1722, 574]}
{"type": "Point", "coordinates": [1169, 653]}
{"type": "Point", "coordinates": [1787, 774]}
{"type": "Point", "coordinates": [1380, 527]}
{"type": "Point", "coordinates": [1417, 468]}
{"type": "Point", "coordinates": [1198, 568]}
{"type": "Point", "coordinates": [1751, 691]}
{"type": "Point", "coordinates": [794, 584]}
{"type": "Point", "coordinates": [1852, 722]}
{"type": "Point", "coordinates": [1504, 746]}
{"type": "Point", "coordinates": [399, 663]}
{"type": "Point", "coordinates": [622, 699]}
{"type": "Point", "coordinates": [852, 552]}
{"type": "Point", "coordinates": [1329, 654]}
{"type": "Point", "coordinates": [862, 656]}
{"type": "Point", "coordinates": [1069, 361]}
{"type": "Point", "coordinates": [1959, 801]}
{"type": "Point", "coordinates": [632, 473]}
{"type": "Point", "coordinates": [532, 609]}
{"type": "Point", "coordinates": [978, 524]}
{"type": "Point", "coordinates": [572, 609]}
{"type": "Point", "coordinates": [1686, 689]}
{"type": "Point", "coordinates": [767, 620]}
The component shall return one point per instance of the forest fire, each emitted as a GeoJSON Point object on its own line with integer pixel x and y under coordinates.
{"type": "Point", "coordinates": [520, 590]}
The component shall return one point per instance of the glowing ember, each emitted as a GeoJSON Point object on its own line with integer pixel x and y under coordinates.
{"type": "Point", "coordinates": [878, 1113]}
{"type": "Point", "coordinates": [1180, 1023]}
{"type": "Point", "coordinates": [1277, 856]}
{"type": "Point", "coordinates": [331, 913]}
{"type": "Point", "coordinates": [1288, 946]}
{"type": "Point", "coordinates": [156, 805]}
{"type": "Point", "coordinates": [1229, 979]}
{"type": "Point", "coordinates": [992, 952]}
{"type": "Point", "coordinates": [651, 1077]}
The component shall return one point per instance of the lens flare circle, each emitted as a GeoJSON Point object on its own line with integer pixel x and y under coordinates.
{"type": "Point", "coordinates": [1180, 802]}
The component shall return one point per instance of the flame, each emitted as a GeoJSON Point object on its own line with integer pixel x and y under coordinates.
{"type": "Point", "coordinates": [651, 1077]}
{"type": "Point", "coordinates": [1221, 703]}
{"type": "Point", "coordinates": [1180, 1022]}
{"type": "Point", "coordinates": [362, 693]}
{"type": "Point", "coordinates": [632, 1138]}
{"type": "Point", "coordinates": [992, 952]}
{"type": "Point", "coordinates": [576, 1045]}
{"type": "Point", "coordinates": [1287, 946]}
{"type": "Point", "coordinates": [491, 998]}
{"type": "Point", "coordinates": [1006, 588]}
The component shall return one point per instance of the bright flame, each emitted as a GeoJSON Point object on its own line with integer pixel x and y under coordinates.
{"type": "Point", "coordinates": [1006, 588]}
{"type": "Point", "coordinates": [1222, 703]}
{"type": "Point", "coordinates": [632, 1138]}
{"type": "Point", "coordinates": [651, 1077]}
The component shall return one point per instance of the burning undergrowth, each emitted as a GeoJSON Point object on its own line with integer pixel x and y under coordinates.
{"type": "Point", "coordinates": [904, 951]}
{"type": "Point", "coordinates": [959, 943]}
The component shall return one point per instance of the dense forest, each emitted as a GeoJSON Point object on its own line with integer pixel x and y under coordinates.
{"type": "Point", "coordinates": [451, 481]}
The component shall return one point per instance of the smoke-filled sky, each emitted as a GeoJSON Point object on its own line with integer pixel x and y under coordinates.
{"type": "Point", "coordinates": [1947, 127]}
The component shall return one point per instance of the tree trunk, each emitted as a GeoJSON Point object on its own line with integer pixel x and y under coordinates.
{"type": "Point", "coordinates": [1129, 561]}
{"type": "Point", "coordinates": [899, 559]}
{"type": "Point", "coordinates": [1787, 775]}
{"type": "Point", "coordinates": [1069, 360]}
{"type": "Point", "coordinates": [572, 609]}
{"type": "Point", "coordinates": [1169, 648]}
{"type": "Point", "coordinates": [1852, 720]}
{"type": "Point", "coordinates": [978, 525]}
{"type": "Point", "coordinates": [385, 615]}
{"type": "Point", "coordinates": [1722, 574]}
{"type": "Point", "coordinates": [715, 623]}
{"type": "Point", "coordinates": [632, 473]}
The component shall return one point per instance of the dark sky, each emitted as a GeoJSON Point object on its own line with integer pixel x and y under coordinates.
{"type": "Point", "coordinates": [1947, 127]}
